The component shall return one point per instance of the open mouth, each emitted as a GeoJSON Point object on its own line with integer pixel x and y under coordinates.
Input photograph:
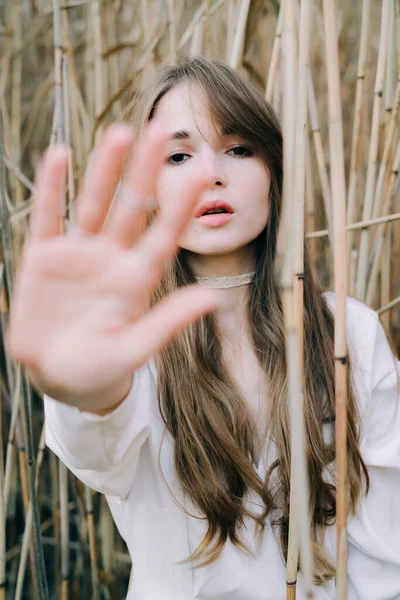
{"type": "Point", "coordinates": [215, 211]}
{"type": "Point", "coordinates": [215, 218]}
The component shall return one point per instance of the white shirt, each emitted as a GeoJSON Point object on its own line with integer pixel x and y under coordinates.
{"type": "Point", "coordinates": [118, 455]}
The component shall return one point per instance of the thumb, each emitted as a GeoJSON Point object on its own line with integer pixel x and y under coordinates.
{"type": "Point", "coordinates": [164, 322]}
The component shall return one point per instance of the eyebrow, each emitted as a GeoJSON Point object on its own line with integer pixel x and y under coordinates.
{"type": "Point", "coordinates": [183, 134]}
{"type": "Point", "coordinates": [180, 135]}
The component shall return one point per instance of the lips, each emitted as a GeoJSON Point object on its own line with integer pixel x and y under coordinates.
{"type": "Point", "coordinates": [214, 205]}
{"type": "Point", "coordinates": [215, 220]}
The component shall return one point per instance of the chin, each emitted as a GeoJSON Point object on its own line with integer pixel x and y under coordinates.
{"type": "Point", "coordinates": [214, 248]}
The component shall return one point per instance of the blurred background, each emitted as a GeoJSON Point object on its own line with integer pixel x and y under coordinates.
{"type": "Point", "coordinates": [70, 68]}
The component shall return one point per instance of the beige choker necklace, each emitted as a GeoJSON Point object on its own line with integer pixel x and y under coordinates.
{"type": "Point", "coordinates": [227, 282]}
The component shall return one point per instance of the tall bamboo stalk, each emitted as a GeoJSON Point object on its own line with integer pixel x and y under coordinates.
{"type": "Point", "coordinates": [239, 38]}
{"type": "Point", "coordinates": [92, 543]}
{"type": "Point", "coordinates": [99, 83]}
{"type": "Point", "coordinates": [8, 257]}
{"type": "Point", "coordinates": [386, 263]}
{"type": "Point", "coordinates": [276, 54]}
{"type": "Point", "coordinates": [373, 151]}
{"type": "Point", "coordinates": [292, 290]}
{"type": "Point", "coordinates": [358, 110]}
{"type": "Point", "coordinates": [28, 524]}
{"type": "Point", "coordinates": [381, 232]}
{"type": "Point", "coordinates": [172, 30]}
{"type": "Point", "coordinates": [340, 279]}
{"type": "Point", "coordinates": [3, 520]}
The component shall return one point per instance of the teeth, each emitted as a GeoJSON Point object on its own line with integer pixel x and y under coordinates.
{"type": "Point", "coordinates": [217, 210]}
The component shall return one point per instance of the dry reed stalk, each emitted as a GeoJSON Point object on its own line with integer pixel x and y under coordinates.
{"type": "Point", "coordinates": [288, 127]}
{"type": "Point", "coordinates": [353, 272]}
{"type": "Point", "coordinates": [11, 446]}
{"type": "Point", "coordinates": [238, 42]}
{"type": "Point", "coordinates": [23, 471]}
{"type": "Point", "coordinates": [131, 578]}
{"type": "Point", "coordinates": [381, 232]}
{"type": "Point", "coordinates": [358, 109]}
{"type": "Point", "coordinates": [112, 63]}
{"type": "Point", "coordinates": [68, 207]}
{"type": "Point", "coordinates": [172, 31]}
{"type": "Point", "coordinates": [231, 22]}
{"type": "Point", "coordinates": [16, 76]}
{"type": "Point", "coordinates": [320, 157]}
{"type": "Point", "coordinates": [38, 574]}
{"type": "Point", "coordinates": [189, 31]}
{"type": "Point", "coordinates": [107, 541]}
{"type": "Point", "coordinates": [37, 114]}
{"type": "Point", "coordinates": [198, 19]}
{"type": "Point", "coordinates": [397, 25]}
{"type": "Point", "coordinates": [386, 152]}
{"type": "Point", "coordinates": [64, 529]}
{"type": "Point", "coordinates": [28, 523]}
{"type": "Point", "coordinates": [386, 264]}
{"type": "Point", "coordinates": [318, 146]}
{"type": "Point", "coordinates": [207, 30]}
{"type": "Point", "coordinates": [373, 151]}
{"type": "Point", "coordinates": [55, 510]}
{"type": "Point", "coordinates": [340, 280]}
{"type": "Point", "coordinates": [89, 65]}
{"type": "Point", "coordinates": [27, 425]}
{"type": "Point", "coordinates": [299, 504]}
{"type": "Point", "coordinates": [99, 84]}
{"type": "Point", "coordinates": [276, 54]}
{"type": "Point", "coordinates": [310, 201]}
{"type": "Point", "coordinates": [196, 44]}
{"type": "Point", "coordinates": [356, 226]}
{"type": "Point", "coordinates": [7, 47]}
{"type": "Point", "coordinates": [383, 309]}
{"type": "Point", "coordinates": [3, 521]}
{"type": "Point", "coordinates": [58, 56]}
{"type": "Point", "coordinates": [92, 543]}
{"type": "Point", "coordinates": [386, 279]}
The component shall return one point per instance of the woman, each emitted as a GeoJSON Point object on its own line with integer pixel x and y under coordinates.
{"type": "Point", "coordinates": [193, 452]}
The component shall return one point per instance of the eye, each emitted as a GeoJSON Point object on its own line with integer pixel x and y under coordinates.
{"type": "Point", "coordinates": [177, 159]}
{"type": "Point", "coordinates": [241, 151]}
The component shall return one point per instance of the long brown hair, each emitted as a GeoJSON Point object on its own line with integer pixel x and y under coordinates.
{"type": "Point", "coordinates": [203, 410]}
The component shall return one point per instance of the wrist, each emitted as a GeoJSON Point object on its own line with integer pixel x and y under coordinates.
{"type": "Point", "coordinates": [114, 405]}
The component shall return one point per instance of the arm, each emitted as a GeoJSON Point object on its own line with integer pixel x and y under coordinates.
{"type": "Point", "coordinates": [102, 450]}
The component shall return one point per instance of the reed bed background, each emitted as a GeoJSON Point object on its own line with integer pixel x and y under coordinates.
{"type": "Point", "coordinates": [67, 70]}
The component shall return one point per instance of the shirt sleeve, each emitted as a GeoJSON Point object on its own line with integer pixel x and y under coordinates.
{"type": "Point", "coordinates": [102, 451]}
{"type": "Point", "coordinates": [374, 533]}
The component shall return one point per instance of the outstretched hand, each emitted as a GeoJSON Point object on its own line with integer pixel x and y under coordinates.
{"type": "Point", "coordinates": [80, 317]}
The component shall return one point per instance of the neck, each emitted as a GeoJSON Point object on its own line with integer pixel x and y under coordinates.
{"type": "Point", "coordinates": [232, 315]}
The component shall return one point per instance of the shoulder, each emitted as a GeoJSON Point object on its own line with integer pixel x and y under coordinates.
{"type": "Point", "coordinates": [374, 367]}
{"type": "Point", "coordinates": [362, 326]}
{"type": "Point", "coordinates": [357, 311]}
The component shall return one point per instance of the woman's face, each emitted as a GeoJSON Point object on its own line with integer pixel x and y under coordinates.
{"type": "Point", "coordinates": [237, 181]}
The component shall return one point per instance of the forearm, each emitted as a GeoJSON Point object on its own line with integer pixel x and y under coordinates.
{"type": "Point", "coordinates": [99, 402]}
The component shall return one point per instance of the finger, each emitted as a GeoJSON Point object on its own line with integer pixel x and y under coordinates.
{"type": "Point", "coordinates": [129, 213]}
{"type": "Point", "coordinates": [165, 322]}
{"type": "Point", "coordinates": [159, 244]}
{"type": "Point", "coordinates": [101, 178]}
{"type": "Point", "coordinates": [50, 186]}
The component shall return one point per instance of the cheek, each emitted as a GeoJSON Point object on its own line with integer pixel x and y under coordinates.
{"type": "Point", "coordinates": [170, 187]}
{"type": "Point", "coordinates": [260, 207]}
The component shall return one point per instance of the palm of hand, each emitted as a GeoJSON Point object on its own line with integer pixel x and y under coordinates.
{"type": "Point", "coordinates": [80, 317]}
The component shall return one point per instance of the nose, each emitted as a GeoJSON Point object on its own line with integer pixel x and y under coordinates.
{"type": "Point", "coordinates": [212, 169]}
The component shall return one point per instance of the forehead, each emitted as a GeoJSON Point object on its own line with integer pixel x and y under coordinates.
{"type": "Point", "coordinates": [185, 108]}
